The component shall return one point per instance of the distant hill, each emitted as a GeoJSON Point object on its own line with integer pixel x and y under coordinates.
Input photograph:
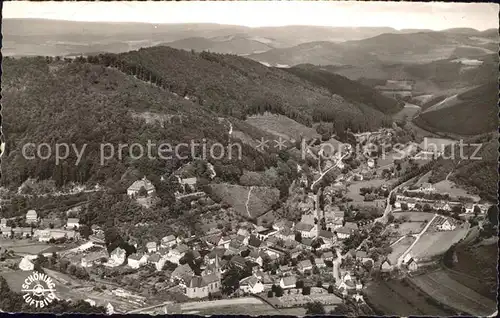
{"type": "Point", "coordinates": [28, 37]}
{"type": "Point", "coordinates": [350, 90]}
{"type": "Point", "coordinates": [471, 113]}
{"type": "Point", "coordinates": [402, 47]}
{"type": "Point", "coordinates": [233, 44]}
{"type": "Point", "coordinates": [239, 87]}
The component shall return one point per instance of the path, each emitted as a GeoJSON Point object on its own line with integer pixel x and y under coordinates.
{"type": "Point", "coordinates": [400, 259]}
{"type": "Point", "coordinates": [328, 170]}
{"type": "Point", "coordinates": [248, 201]}
{"type": "Point", "coordinates": [449, 174]}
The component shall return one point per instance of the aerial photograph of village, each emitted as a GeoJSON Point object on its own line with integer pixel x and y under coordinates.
{"type": "Point", "coordinates": [249, 158]}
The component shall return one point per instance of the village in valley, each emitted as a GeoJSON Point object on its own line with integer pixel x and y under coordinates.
{"type": "Point", "coordinates": [349, 222]}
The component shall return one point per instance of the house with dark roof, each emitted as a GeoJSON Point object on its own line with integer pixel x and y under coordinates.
{"type": "Point", "coordinates": [202, 286]}
{"type": "Point", "coordinates": [265, 234]}
{"type": "Point", "coordinates": [254, 241]}
{"type": "Point", "coordinates": [305, 229]}
{"type": "Point", "coordinates": [251, 285]}
{"type": "Point", "coordinates": [182, 273]}
{"type": "Point", "coordinates": [238, 261]}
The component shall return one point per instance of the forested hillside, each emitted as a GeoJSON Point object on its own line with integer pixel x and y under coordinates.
{"type": "Point", "coordinates": [474, 112]}
{"type": "Point", "coordinates": [235, 86]}
{"type": "Point", "coordinates": [78, 103]}
{"type": "Point", "coordinates": [350, 90]}
{"type": "Point", "coordinates": [478, 175]}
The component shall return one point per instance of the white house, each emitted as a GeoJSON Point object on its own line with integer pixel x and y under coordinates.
{"type": "Point", "coordinates": [116, 257]}
{"type": "Point", "coordinates": [72, 223]}
{"type": "Point", "coordinates": [343, 233]}
{"type": "Point", "coordinates": [202, 286]}
{"type": "Point", "coordinates": [3, 223]}
{"type": "Point", "coordinates": [288, 282]}
{"type": "Point", "coordinates": [306, 230]}
{"type": "Point", "coordinates": [168, 241]}
{"type": "Point", "coordinates": [445, 224]}
{"type": "Point", "coordinates": [187, 183]}
{"type": "Point", "coordinates": [31, 217]}
{"type": "Point", "coordinates": [151, 247]}
{"type": "Point", "coordinates": [137, 260]}
{"type": "Point", "coordinates": [412, 265]}
{"type": "Point", "coordinates": [26, 264]}
{"type": "Point", "coordinates": [134, 189]}
{"type": "Point", "coordinates": [252, 285]}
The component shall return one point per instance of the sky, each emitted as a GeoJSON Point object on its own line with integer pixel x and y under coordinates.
{"type": "Point", "coordinates": [398, 15]}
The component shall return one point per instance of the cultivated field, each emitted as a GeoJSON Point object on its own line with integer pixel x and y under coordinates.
{"type": "Point", "coordinates": [453, 190]}
{"type": "Point", "coordinates": [235, 306]}
{"type": "Point", "coordinates": [32, 249]}
{"type": "Point", "coordinates": [396, 298]}
{"type": "Point", "coordinates": [415, 216]}
{"type": "Point", "coordinates": [432, 144]}
{"type": "Point", "coordinates": [449, 292]}
{"type": "Point", "coordinates": [410, 228]}
{"type": "Point", "coordinates": [408, 112]}
{"type": "Point", "coordinates": [399, 248]}
{"type": "Point", "coordinates": [477, 267]}
{"type": "Point", "coordinates": [260, 200]}
{"type": "Point", "coordinates": [436, 243]}
{"type": "Point", "coordinates": [283, 126]}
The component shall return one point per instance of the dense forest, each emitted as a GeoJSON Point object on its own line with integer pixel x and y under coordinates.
{"type": "Point", "coordinates": [478, 176]}
{"type": "Point", "coordinates": [109, 98]}
{"type": "Point", "coordinates": [235, 86]}
{"type": "Point", "coordinates": [81, 104]}
{"type": "Point", "coordinates": [475, 112]}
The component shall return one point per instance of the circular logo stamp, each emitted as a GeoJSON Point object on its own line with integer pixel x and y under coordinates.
{"type": "Point", "coordinates": [39, 289]}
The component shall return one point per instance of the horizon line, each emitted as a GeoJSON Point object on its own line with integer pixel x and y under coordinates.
{"type": "Point", "coordinates": [251, 27]}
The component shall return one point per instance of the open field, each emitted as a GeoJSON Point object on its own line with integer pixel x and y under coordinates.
{"type": "Point", "coordinates": [282, 126]}
{"type": "Point", "coordinates": [241, 309]}
{"type": "Point", "coordinates": [436, 243]}
{"type": "Point", "coordinates": [408, 112]}
{"type": "Point", "coordinates": [433, 144]}
{"type": "Point", "coordinates": [32, 249]}
{"type": "Point", "coordinates": [447, 186]}
{"type": "Point", "coordinates": [446, 290]}
{"type": "Point", "coordinates": [415, 216]}
{"type": "Point", "coordinates": [397, 298]}
{"type": "Point", "coordinates": [399, 248]}
{"type": "Point", "coordinates": [234, 306]}
{"type": "Point", "coordinates": [260, 199]}
{"type": "Point", "coordinates": [410, 228]}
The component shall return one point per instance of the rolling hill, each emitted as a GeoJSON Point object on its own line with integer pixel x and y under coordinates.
{"type": "Point", "coordinates": [350, 90]}
{"type": "Point", "coordinates": [79, 104]}
{"type": "Point", "coordinates": [31, 37]}
{"type": "Point", "coordinates": [479, 174]}
{"type": "Point", "coordinates": [233, 44]}
{"type": "Point", "coordinates": [239, 87]}
{"type": "Point", "coordinates": [470, 113]}
{"type": "Point", "coordinates": [419, 47]}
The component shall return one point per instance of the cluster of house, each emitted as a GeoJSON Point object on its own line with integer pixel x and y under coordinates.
{"type": "Point", "coordinates": [411, 203]}
{"type": "Point", "coordinates": [250, 246]}
{"type": "Point", "coordinates": [68, 230]}
{"type": "Point", "coordinates": [187, 186]}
